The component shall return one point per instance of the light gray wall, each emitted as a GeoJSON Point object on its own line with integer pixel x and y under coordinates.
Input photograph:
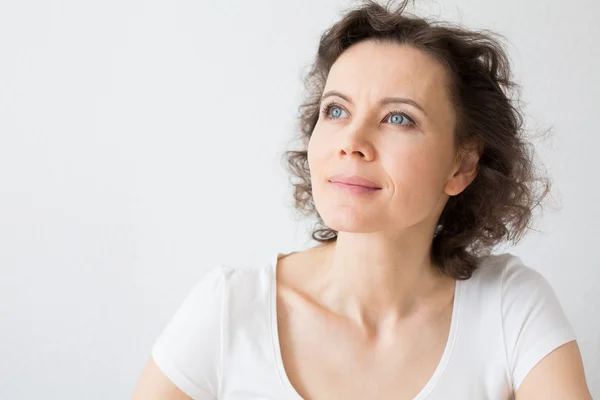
{"type": "Point", "coordinates": [139, 147]}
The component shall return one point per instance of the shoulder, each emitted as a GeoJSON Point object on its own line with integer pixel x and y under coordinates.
{"type": "Point", "coordinates": [533, 322]}
{"type": "Point", "coordinates": [210, 296]}
{"type": "Point", "coordinates": [247, 279]}
{"type": "Point", "coordinates": [520, 291]}
{"type": "Point", "coordinates": [224, 277]}
{"type": "Point", "coordinates": [508, 273]}
{"type": "Point", "coordinates": [189, 350]}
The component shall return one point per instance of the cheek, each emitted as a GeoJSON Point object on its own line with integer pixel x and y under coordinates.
{"type": "Point", "coordinates": [317, 155]}
{"type": "Point", "coordinates": [320, 156]}
{"type": "Point", "coordinates": [417, 175]}
{"type": "Point", "coordinates": [415, 168]}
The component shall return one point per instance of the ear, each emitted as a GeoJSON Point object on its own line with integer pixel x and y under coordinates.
{"type": "Point", "coordinates": [465, 170]}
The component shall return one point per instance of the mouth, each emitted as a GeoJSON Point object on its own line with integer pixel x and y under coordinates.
{"type": "Point", "coordinates": [354, 180]}
{"type": "Point", "coordinates": [353, 184]}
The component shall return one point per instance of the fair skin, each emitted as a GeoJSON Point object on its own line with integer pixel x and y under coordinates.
{"type": "Point", "coordinates": [373, 298]}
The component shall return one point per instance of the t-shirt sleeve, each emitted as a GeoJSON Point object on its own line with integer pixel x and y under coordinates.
{"type": "Point", "coordinates": [188, 351]}
{"type": "Point", "coordinates": [534, 322]}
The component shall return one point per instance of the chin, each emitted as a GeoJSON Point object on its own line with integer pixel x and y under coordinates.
{"type": "Point", "coordinates": [350, 222]}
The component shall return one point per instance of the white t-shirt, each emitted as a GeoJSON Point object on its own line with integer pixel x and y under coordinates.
{"type": "Point", "coordinates": [222, 343]}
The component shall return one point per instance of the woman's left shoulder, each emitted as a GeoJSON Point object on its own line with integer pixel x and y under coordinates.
{"type": "Point", "coordinates": [509, 273]}
{"type": "Point", "coordinates": [521, 293]}
{"type": "Point", "coordinates": [533, 322]}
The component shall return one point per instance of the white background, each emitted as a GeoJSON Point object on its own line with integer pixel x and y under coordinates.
{"type": "Point", "coordinates": [140, 145]}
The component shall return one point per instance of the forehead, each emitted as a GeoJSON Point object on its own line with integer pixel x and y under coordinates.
{"type": "Point", "coordinates": [370, 70]}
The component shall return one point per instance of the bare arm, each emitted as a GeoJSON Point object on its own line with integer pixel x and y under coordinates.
{"type": "Point", "coordinates": [154, 385]}
{"type": "Point", "coordinates": [558, 376]}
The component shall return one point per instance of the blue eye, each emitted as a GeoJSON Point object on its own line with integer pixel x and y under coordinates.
{"type": "Point", "coordinates": [333, 111]}
{"type": "Point", "coordinates": [397, 117]}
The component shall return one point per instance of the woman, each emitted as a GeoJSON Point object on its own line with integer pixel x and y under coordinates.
{"type": "Point", "coordinates": [415, 168]}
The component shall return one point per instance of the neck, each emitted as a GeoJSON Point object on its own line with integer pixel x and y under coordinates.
{"type": "Point", "coordinates": [375, 280]}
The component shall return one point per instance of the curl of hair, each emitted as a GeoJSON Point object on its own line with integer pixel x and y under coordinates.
{"type": "Point", "coordinates": [497, 206]}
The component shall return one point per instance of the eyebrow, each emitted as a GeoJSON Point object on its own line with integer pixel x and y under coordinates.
{"type": "Point", "coordinates": [385, 100]}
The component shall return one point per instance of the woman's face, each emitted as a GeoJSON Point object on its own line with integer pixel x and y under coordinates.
{"type": "Point", "coordinates": [406, 147]}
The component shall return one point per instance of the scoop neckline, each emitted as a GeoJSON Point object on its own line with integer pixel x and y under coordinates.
{"type": "Point", "coordinates": [425, 390]}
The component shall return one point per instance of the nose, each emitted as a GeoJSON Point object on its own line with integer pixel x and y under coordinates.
{"type": "Point", "coordinates": [355, 144]}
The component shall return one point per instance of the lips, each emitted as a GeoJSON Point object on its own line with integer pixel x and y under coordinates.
{"type": "Point", "coordinates": [354, 180]}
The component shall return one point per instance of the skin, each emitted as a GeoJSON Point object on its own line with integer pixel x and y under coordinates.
{"type": "Point", "coordinates": [381, 266]}
{"type": "Point", "coordinates": [373, 299]}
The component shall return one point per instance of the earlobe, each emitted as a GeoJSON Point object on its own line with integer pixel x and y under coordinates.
{"type": "Point", "coordinates": [454, 186]}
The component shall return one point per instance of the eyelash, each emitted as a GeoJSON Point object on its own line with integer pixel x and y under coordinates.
{"type": "Point", "coordinates": [327, 108]}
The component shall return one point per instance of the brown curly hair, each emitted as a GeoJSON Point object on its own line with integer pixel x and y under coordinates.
{"type": "Point", "coordinates": [498, 204]}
